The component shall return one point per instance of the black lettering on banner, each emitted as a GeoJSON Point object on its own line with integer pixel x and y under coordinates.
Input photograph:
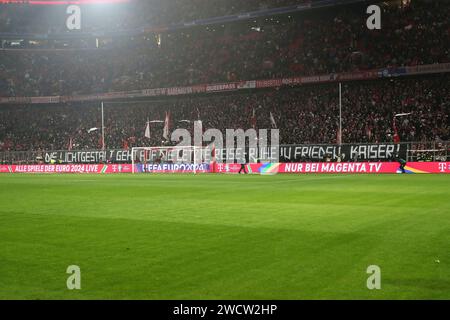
{"type": "Point", "coordinates": [291, 153]}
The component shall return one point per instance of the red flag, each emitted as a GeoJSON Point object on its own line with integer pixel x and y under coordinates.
{"type": "Point", "coordinates": [69, 147]}
{"type": "Point", "coordinates": [125, 144]}
{"type": "Point", "coordinates": [396, 136]}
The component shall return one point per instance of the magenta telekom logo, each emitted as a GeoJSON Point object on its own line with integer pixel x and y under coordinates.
{"type": "Point", "coordinates": [442, 166]}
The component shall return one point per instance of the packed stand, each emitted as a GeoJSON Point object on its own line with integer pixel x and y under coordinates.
{"type": "Point", "coordinates": [302, 45]}
{"type": "Point", "coordinates": [308, 114]}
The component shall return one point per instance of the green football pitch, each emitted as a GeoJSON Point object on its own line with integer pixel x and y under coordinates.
{"type": "Point", "coordinates": [225, 236]}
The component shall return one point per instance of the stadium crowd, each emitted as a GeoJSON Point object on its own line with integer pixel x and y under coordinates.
{"type": "Point", "coordinates": [318, 42]}
{"type": "Point", "coordinates": [307, 114]}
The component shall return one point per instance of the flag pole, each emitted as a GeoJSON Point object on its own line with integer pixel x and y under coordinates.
{"type": "Point", "coordinates": [340, 113]}
{"type": "Point", "coordinates": [103, 129]}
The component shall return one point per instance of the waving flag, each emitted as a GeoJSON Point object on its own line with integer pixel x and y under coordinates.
{"type": "Point", "coordinates": [396, 136]}
{"type": "Point", "coordinates": [368, 132]}
{"type": "Point", "coordinates": [125, 144]}
{"type": "Point", "coordinates": [147, 130]}
{"type": "Point", "coordinates": [272, 121]}
{"type": "Point", "coordinates": [166, 126]}
{"type": "Point", "coordinates": [402, 114]}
